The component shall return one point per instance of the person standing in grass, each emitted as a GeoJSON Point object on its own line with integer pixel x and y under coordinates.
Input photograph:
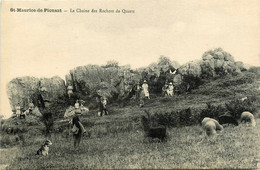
{"type": "Point", "coordinates": [138, 91]}
{"type": "Point", "coordinates": [78, 129]}
{"type": "Point", "coordinates": [170, 89]}
{"type": "Point", "coordinates": [103, 106]}
{"type": "Point", "coordinates": [145, 89]}
{"type": "Point", "coordinates": [164, 89]}
{"type": "Point", "coordinates": [142, 98]}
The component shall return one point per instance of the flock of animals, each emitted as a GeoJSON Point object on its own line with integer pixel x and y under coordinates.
{"type": "Point", "coordinates": [210, 126]}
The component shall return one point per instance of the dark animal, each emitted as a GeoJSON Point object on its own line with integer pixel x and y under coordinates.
{"type": "Point", "coordinates": [153, 132]}
{"type": "Point", "coordinates": [44, 149]}
{"type": "Point", "coordinates": [225, 119]}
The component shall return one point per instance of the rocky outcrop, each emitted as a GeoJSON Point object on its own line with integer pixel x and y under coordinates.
{"type": "Point", "coordinates": [192, 67]}
{"type": "Point", "coordinates": [55, 88]}
{"type": "Point", "coordinates": [218, 62]}
{"type": "Point", "coordinates": [23, 90]}
{"type": "Point", "coordinates": [108, 81]}
{"type": "Point", "coordinates": [20, 90]}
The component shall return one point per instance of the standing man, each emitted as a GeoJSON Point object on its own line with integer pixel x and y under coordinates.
{"type": "Point", "coordinates": [138, 91]}
{"type": "Point", "coordinates": [70, 88]}
{"type": "Point", "coordinates": [170, 89]}
{"type": "Point", "coordinates": [145, 89]}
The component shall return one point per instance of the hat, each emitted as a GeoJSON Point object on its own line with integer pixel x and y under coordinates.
{"type": "Point", "coordinates": [145, 81]}
{"type": "Point", "coordinates": [170, 83]}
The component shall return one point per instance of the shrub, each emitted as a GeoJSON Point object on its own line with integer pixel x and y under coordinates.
{"type": "Point", "coordinates": [173, 118]}
{"type": "Point", "coordinates": [237, 80]}
{"type": "Point", "coordinates": [189, 82]}
{"type": "Point", "coordinates": [185, 117]}
{"type": "Point", "coordinates": [212, 111]}
{"type": "Point", "coordinates": [237, 106]}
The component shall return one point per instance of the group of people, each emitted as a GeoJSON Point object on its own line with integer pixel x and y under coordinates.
{"type": "Point", "coordinates": [167, 89]}
{"type": "Point", "coordinates": [142, 91]}
{"type": "Point", "coordinates": [32, 109]}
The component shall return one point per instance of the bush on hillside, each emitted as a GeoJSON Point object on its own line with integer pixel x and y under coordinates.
{"type": "Point", "coordinates": [237, 106]}
{"type": "Point", "coordinates": [245, 78]}
{"type": "Point", "coordinates": [189, 82]}
{"type": "Point", "coordinates": [173, 118]}
{"type": "Point", "coordinates": [212, 111]}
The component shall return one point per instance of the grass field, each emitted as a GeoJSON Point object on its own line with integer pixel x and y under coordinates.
{"type": "Point", "coordinates": [117, 140]}
{"type": "Point", "coordinates": [187, 147]}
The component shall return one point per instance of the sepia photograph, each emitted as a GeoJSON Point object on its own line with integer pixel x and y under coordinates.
{"type": "Point", "coordinates": [127, 84]}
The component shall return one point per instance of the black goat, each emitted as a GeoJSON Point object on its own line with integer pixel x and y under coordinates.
{"type": "Point", "coordinates": [225, 119]}
{"type": "Point", "coordinates": [153, 132]}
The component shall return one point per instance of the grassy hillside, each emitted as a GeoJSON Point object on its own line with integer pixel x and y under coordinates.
{"type": "Point", "coordinates": [235, 147]}
{"type": "Point", "coordinates": [117, 140]}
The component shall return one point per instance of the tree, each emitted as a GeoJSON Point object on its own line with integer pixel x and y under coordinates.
{"type": "Point", "coordinates": [163, 60]}
{"type": "Point", "coordinates": [112, 63]}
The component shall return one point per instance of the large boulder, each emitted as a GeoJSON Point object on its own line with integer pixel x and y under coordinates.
{"type": "Point", "coordinates": [20, 90]}
{"type": "Point", "coordinates": [240, 65]}
{"type": "Point", "coordinates": [191, 68]}
{"type": "Point", "coordinates": [55, 88]}
{"type": "Point", "coordinates": [219, 62]}
{"type": "Point", "coordinates": [23, 90]}
{"type": "Point", "coordinates": [108, 81]}
{"type": "Point", "coordinates": [177, 80]}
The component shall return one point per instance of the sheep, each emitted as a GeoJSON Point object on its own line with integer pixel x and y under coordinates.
{"type": "Point", "coordinates": [248, 117]}
{"type": "Point", "coordinates": [153, 132]}
{"type": "Point", "coordinates": [211, 126]}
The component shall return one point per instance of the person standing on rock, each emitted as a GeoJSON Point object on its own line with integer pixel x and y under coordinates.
{"type": "Point", "coordinates": [70, 88]}
{"type": "Point", "coordinates": [40, 99]}
{"type": "Point", "coordinates": [18, 110]}
{"type": "Point", "coordinates": [145, 89]}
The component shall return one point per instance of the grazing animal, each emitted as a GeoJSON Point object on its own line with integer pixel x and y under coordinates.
{"type": "Point", "coordinates": [44, 149]}
{"type": "Point", "coordinates": [211, 126]}
{"type": "Point", "coordinates": [225, 119]}
{"type": "Point", "coordinates": [247, 117]}
{"type": "Point", "coordinates": [153, 132]}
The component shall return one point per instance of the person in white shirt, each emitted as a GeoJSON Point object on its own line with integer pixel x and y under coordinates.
{"type": "Point", "coordinates": [145, 89]}
{"type": "Point", "coordinates": [170, 89]}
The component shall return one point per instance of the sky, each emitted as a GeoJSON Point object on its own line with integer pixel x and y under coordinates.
{"type": "Point", "coordinates": [49, 44]}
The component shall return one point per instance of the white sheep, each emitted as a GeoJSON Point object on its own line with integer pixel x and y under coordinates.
{"type": "Point", "coordinates": [247, 117]}
{"type": "Point", "coordinates": [211, 126]}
